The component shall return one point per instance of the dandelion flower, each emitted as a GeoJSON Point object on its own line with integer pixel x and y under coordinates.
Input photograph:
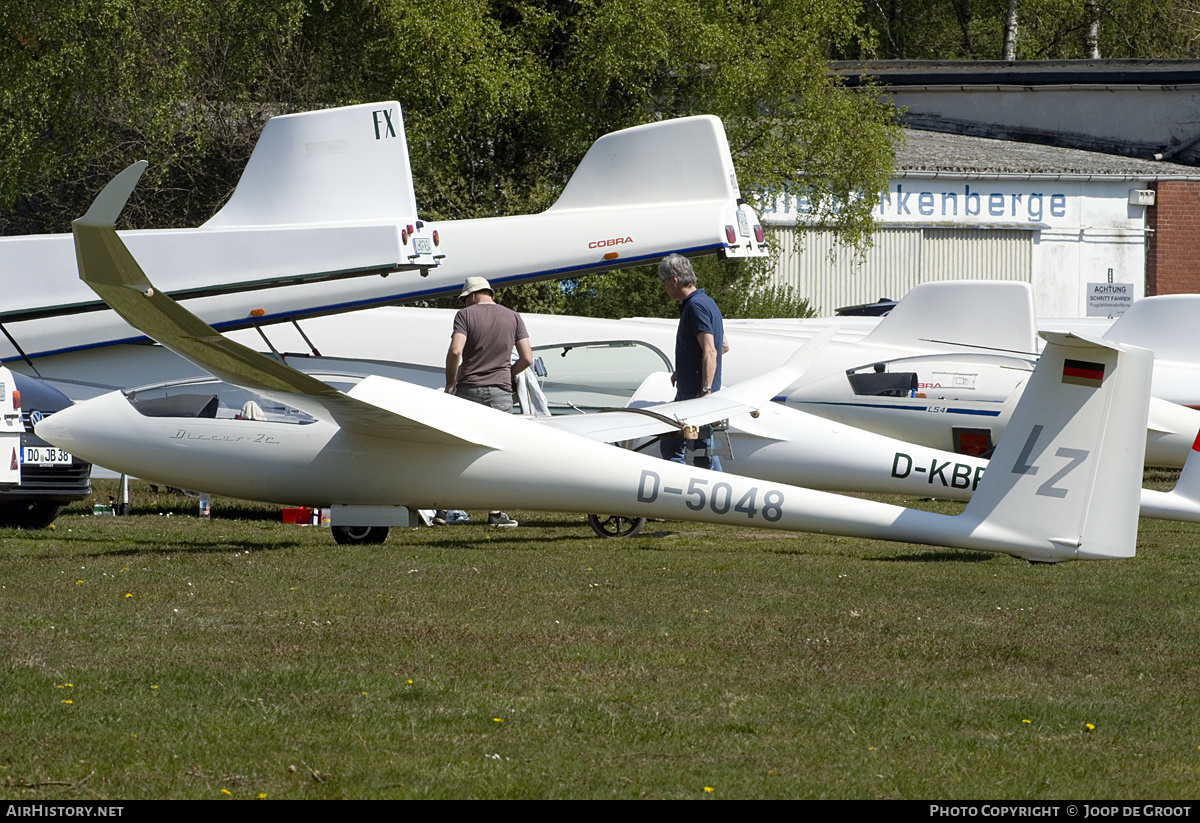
{"type": "Point", "coordinates": [129, 594]}
{"type": "Point", "coordinates": [1089, 727]}
{"type": "Point", "coordinates": [226, 791]}
{"type": "Point", "coordinates": [68, 702]}
{"type": "Point", "coordinates": [497, 720]}
{"type": "Point", "coordinates": [1026, 721]}
{"type": "Point", "coordinates": [708, 788]}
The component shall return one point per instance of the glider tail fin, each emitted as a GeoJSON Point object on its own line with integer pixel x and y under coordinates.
{"type": "Point", "coordinates": [1009, 324]}
{"type": "Point", "coordinates": [1163, 323]}
{"type": "Point", "coordinates": [1067, 473]}
{"type": "Point", "coordinates": [685, 159]}
{"type": "Point", "coordinates": [673, 164]}
{"type": "Point", "coordinates": [345, 165]}
{"type": "Point", "coordinates": [1188, 486]}
{"type": "Point", "coordinates": [1183, 501]}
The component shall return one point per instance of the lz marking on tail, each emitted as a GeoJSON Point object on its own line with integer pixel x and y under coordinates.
{"type": "Point", "coordinates": [384, 444]}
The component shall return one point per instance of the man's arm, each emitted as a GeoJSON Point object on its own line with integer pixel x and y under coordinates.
{"type": "Point", "coordinates": [458, 342]}
{"type": "Point", "coordinates": [724, 344]}
{"type": "Point", "coordinates": [524, 357]}
{"type": "Point", "coordinates": [708, 354]}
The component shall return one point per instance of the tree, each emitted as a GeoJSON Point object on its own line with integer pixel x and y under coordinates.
{"type": "Point", "coordinates": [1030, 29]}
{"type": "Point", "coordinates": [577, 70]}
{"type": "Point", "coordinates": [501, 97]}
{"type": "Point", "coordinates": [88, 86]}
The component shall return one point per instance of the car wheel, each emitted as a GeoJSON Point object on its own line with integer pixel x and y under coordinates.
{"type": "Point", "coordinates": [29, 515]}
{"type": "Point", "coordinates": [359, 535]}
{"type": "Point", "coordinates": [614, 525]}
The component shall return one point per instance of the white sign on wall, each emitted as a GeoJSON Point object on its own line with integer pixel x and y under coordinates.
{"type": "Point", "coordinates": [1108, 299]}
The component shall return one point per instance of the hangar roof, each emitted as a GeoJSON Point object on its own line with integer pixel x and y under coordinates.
{"type": "Point", "coordinates": [927, 153]}
{"type": "Point", "coordinates": [1024, 73]}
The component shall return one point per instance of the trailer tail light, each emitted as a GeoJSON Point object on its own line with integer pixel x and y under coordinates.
{"type": "Point", "coordinates": [730, 235]}
{"type": "Point", "coordinates": [436, 239]}
{"type": "Point", "coordinates": [16, 399]}
{"type": "Point", "coordinates": [758, 233]}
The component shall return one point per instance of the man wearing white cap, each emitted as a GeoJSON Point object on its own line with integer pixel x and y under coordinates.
{"type": "Point", "coordinates": [479, 363]}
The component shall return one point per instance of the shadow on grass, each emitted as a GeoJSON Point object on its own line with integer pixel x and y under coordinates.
{"type": "Point", "coordinates": [569, 523]}
{"type": "Point", "coordinates": [149, 547]}
{"type": "Point", "coordinates": [948, 556]}
{"type": "Point", "coordinates": [257, 514]}
{"type": "Point", "coordinates": [479, 535]}
{"type": "Point", "coordinates": [477, 539]}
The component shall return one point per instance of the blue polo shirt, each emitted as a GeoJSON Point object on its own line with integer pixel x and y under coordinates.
{"type": "Point", "coordinates": [698, 314]}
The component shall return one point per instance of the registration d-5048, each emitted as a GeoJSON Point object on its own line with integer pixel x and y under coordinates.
{"type": "Point", "coordinates": [718, 497]}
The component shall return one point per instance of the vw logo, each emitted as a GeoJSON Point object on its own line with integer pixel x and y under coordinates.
{"type": "Point", "coordinates": [35, 417]}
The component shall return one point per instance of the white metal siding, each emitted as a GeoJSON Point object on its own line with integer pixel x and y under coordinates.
{"type": "Point", "coordinates": [900, 259]}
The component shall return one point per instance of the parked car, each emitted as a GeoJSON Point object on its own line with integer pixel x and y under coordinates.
{"type": "Point", "coordinates": [50, 477]}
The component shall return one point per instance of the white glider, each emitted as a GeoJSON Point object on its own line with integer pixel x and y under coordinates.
{"type": "Point", "coordinates": [967, 393]}
{"type": "Point", "coordinates": [1062, 485]}
{"type": "Point", "coordinates": [771, 441]}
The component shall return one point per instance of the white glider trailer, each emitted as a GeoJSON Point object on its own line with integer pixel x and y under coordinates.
{"type": "Point", "coordinates": [327, 199]}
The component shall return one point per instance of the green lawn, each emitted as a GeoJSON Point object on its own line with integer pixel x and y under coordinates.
{"type": "Point", "coordinates": [169, 656]}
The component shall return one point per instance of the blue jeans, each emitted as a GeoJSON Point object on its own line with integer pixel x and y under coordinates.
{"type": "Point", "coordinates": [675, 449]}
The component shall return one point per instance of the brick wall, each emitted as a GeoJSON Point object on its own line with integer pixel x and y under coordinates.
{"type": "Point", "coordinates": [1173, 247]}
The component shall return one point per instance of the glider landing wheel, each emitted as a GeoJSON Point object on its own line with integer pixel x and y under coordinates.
{"type": "Point", "coordinates": [359, 535]}
{"type": "Point", "coordinates": [614, 525]}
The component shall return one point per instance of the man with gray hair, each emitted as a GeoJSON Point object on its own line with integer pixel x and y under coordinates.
{"type": "Point", "coordinates": [699, 345]}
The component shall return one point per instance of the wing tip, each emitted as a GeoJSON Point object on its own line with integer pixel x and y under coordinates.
{"type": "Point", "coordinates": [109, 203]}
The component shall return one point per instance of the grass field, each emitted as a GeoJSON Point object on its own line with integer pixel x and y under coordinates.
{"type": "Point", "coordinates": [165, 656]}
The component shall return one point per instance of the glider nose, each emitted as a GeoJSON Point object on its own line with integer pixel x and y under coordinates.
{"type": "Point", "coordinates": [58, 429]}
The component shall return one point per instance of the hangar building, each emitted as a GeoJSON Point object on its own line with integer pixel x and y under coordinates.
{"type": "Point", "coordinates": [962, 207]}
{"type": "Point", "coordinates": [1093, 182]}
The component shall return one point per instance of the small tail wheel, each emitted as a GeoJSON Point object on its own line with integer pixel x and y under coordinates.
{"type": "Point", "coordinates": [615, 525]}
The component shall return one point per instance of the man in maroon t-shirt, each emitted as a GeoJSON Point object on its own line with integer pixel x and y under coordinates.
{"type": "Point", "coordinates": [478, 360]}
